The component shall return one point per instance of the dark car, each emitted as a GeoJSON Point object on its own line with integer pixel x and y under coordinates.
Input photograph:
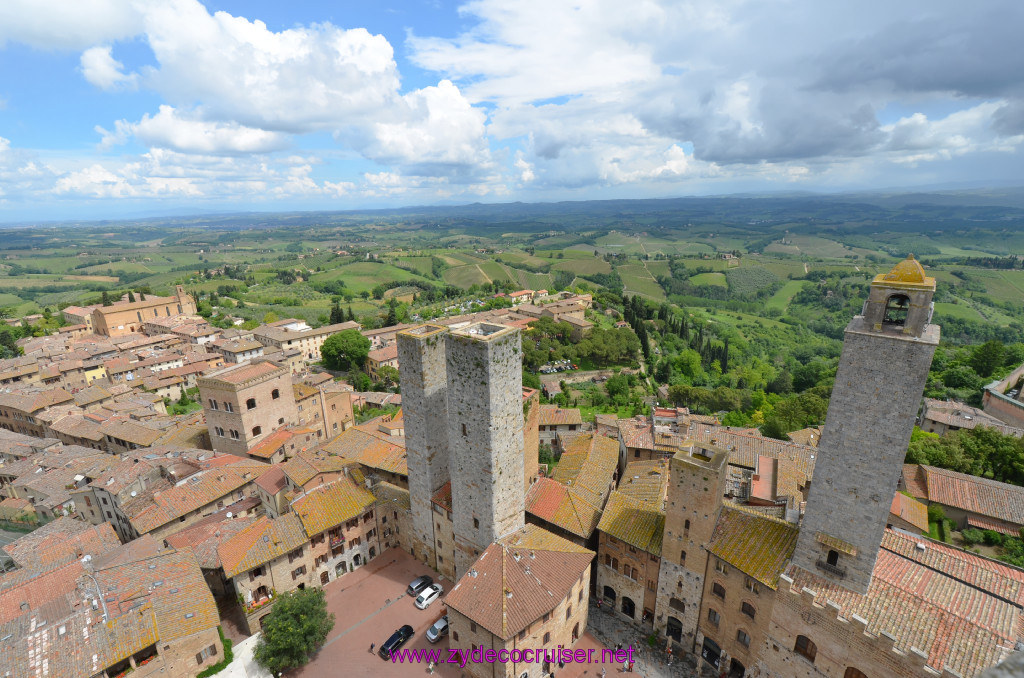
{"type": "Point", "coordinates": [396, 641]}
{"type": "Point", "coordinates": [418, 584]}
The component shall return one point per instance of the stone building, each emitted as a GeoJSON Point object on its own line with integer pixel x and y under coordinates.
{"type": "Point", "coordinates": [128, 317]}
{"type": "Point", "coordinates": [245, 403]}
{"type": "Point", "coordinates": [696, 485]}
{"type": "Point", "coordinates": [424, 376]}
{"type": "Point", "coordinates": [886, 355]}
{"type": "Point", "coordinates": [526, 591]}
{"type": "Point", "coordinates": [554, 421]}
{"type": "Point", "coordinates": [629, 548]}
{"type": "Point", "coordinates": [749, 551]}
{"type": "Point", "coordinates": [485, 436]}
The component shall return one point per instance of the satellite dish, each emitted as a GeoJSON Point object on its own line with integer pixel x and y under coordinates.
{"type": "Point", "coordinates": [229, 514]}
{"type": "Point", "coordinates": [134, 493]}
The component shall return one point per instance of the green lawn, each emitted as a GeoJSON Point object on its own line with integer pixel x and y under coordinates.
{"type": "Point", "coordinates": [781, 299]}
{"type": "Point", "coordinates": [717, 279]}
{"type": "Point", "coordinates": [465, 276]}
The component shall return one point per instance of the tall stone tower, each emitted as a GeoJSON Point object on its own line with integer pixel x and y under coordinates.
{"type": "Point", "coordinates": [422, 366]}
{"type": "Point", "coordinates": [886, 355]}
{"type": "Point", "coordinates": [696, 486]}
{"type": "Point", "coordinates": [485, 436]}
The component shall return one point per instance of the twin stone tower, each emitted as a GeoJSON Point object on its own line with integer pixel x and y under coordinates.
{"type": "Point", "coordinates": [462, 398]}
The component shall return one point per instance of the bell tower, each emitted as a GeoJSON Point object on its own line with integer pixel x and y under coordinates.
{"type": "Point", "coordinates": [884, 365]}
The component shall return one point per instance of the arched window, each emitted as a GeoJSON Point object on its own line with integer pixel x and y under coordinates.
{"type": "Point", "coordinates": [896, 308]}
{"type": "Point", "coordinates": [718, 590]}
{"type": "Point", "coordinates": [748, 609]}
{"type": "Point", "coordinates": [609, 593]}
{"type": "Point", "coordinates": [256, 430]}
{"type": "Point", "coordinates": [686, 526]}
{"type": "Point", "coordinates": [250, 403]}
{"type": "Point", "coordinates": [854, 673]}
{"type": "Point", "coordinates": [805, 647]}
{"type": "Point", "coordinates": [628, 607]}
{"type": "Point", "coordinates": [275, 394]}
{"type": "Point", "coordinates": [833, 558]}
{"type": "Point", "coordinates": [682, 558]}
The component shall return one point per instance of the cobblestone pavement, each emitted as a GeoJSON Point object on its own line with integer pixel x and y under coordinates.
{"type": "Point", "coordinates": [610, 630]}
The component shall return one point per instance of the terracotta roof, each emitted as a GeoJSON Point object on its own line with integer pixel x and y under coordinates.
{"type": "Point", "coordinates": [205, 537]}
{"type": "Point", "coordinates": [518, 579]}
{"type": "Point", "coordinates": [330, 505]}
{"type": "Point", "coordinates": [199, 490]}
{"type": "Point", "coordinates": [745, 448]}
{"type": "Point", "coordinates": [372, 449]}
{"type": "Point", "coordinates": [753, 543]}
{"type": "Point", "coordinates": [260, 543]}
{"type": "Point", "coordinates": [937, 601]}
{"type": "Point", "coordinates": [970, 493]}
{"type": "Point", "coordinates": [646, 480]}
{"type": "Point", "coordinates": [269, 446]}
{"type": "Point", "coordinates": [913, 478]}
{"type": "Point", "coordinates": [243, 372]}
{"type": "Point", "coordinates": [389, 352]}
{"type": "Point", "coordinates": [61, 541]}
{"type": "Point", "coordinates": [443, 497]}
{"type": "Point", "coordinates": [588, 465]}
{"type": "Point", "coordinates": [910, 510]}
{"type": "Point", "coordinates": [553, 415]}
{"type": "Point", "coordinates": [307, 465]}
{"type": "Point", "coordinates": [560, 505]}
{"type": "Point", "coordinates": [273, 481]}
{"type": "Point", "coordinates": [391, 496]}
{"type": "Point", "coordinates": [638, 523]}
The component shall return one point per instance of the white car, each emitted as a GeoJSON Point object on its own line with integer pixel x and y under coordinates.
{"type": "Point", "coordinates": [429, 595]}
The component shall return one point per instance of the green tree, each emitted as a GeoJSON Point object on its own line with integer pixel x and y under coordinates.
{"type": "Point", "coordinates": [387, 375]}
{"type": "Point", "coordinates": [337, 315]}
{"type": "Point", "coordinates": [105, 298]}
{"type": "Point", "coordinates": [294, 630]}
{"type": "Point", "coordinates": [270, 317]}
{"type": "Point", "coordinates": [987, 357]}
{"type": "Point", "coordinates": [345, 350]}
{"type": "Point", "coordinates": [131, 297]}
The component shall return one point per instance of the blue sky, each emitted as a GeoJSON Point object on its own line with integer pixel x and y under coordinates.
{"type": "Point", "coordinates": [113, 108]}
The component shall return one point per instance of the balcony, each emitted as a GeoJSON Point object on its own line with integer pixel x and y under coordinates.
{"type": "Point", "coordinates": [833, 570]}
{"type": "Point", "coordinates": [338, 542]}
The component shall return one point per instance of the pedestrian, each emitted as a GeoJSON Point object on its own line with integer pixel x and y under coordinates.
{"type": "Point", "coordinates": [603, 672]}
{"type": "Point", "coordinates": [630, 669]}
{"type": "Point", "coordinates": [625, 666]}
{"type": "Point", "coordinates": [372, 645]}
{"type": "Point", "coordinates": [599, 603]}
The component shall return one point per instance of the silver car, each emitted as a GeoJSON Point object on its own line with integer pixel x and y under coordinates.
{"type": "Point", "coordinates": [439, 630]}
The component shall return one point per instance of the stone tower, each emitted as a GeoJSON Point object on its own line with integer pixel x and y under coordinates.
{"type": "Point", "coordinates": [422, 364]}
{"type": "Point", "coordinates": [696, 486]}
{"type": "Point", "coordinates": [485, 436]}
{"type": "Point", "coordinates": [886, 355]}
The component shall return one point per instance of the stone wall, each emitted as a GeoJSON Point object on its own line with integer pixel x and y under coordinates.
{"type": "Point", "coordinates": [485, 434]}
{"type": "Point", "coordinates": [871, 415]}
{"type": "Point", "coordinates": [422, 367]}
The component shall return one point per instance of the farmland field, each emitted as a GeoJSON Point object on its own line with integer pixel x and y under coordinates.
{"type": "Point", "coordinates": [709, 279]}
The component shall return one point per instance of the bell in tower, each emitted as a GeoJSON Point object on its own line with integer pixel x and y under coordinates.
{"type": "Point", "coordinates": [900, 300]}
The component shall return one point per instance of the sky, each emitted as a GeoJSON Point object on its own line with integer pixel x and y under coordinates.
{"type": "Point", "coordinates": [128, 108]}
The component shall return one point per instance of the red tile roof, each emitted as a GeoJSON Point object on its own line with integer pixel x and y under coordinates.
{"type": "Point", "coordinates": [910, 510]}
{"type": "Point", "coordinates": [985, 497]}
{"type": "Point", "coordinates": [517, 580]}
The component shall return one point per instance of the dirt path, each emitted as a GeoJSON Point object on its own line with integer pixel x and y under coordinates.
{"type": "Point", "coordinates": [489, 281]}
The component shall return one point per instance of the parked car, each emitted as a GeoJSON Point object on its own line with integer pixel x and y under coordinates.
{"type": "Point", "coordinates": [396, 641]}
{"type": "Point", "coordinates": [418, 584]}
{"type": "Point", "coordinates": [429, 595]}
{"type": "Point", "coordinates": [439, 630]}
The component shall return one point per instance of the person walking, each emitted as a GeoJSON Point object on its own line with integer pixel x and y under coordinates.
{"type": "Point", "coordinates": [372, 645]}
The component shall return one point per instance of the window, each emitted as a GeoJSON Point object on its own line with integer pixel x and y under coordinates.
{"type": "Point", "coordinates": [615, 564]}
{"type": "Point", "coordinates": [720, 567]}
{"type": "Point", "coordinates": [472, 627]}
{"type": "Point", "coordinates": [805, 647]}
{"type": "Point", "coordinates": [206, 653]}
{"type": "Point", "coordinates": [743, 638]}
{"type": "Point", "coordinates": [713, 616]}
{"type": "Point", "coordinates": [682, 557]}
{"type": "Point", "coordinates": [219, 431]}
{"type": "Point", "coordinates": [751, 585]}
{"type": "Point", "coordinates": [718, 590]}
{"type": "Point", "coordinates": [522, 634]}
{"type": "Point", "coordinates": [686, 528]}
{"type": "Point", "coordinates": [896, 308]}
{"type": "Point", "coordinates": [234, 434]}
{"type": "Point", "coordinates": [652, 585]}
{"type": "Point", "coordinates": [275, 394]}
{"type": "Point", "coordinates": [677, 604]}
{"type": "Point", "coordinates": [298, 572]}
{"type": "Point", "coordinates": [854, 673]}
{"type": "Point", "coordinates": [568, 612]}
{"type": "Point", "coordinates": [250, 404]}
{"type": "Point", "coordinates": [213, 404]}
{"type": "Point", "coordinates": [476, 523]}
{"type": "Point", "coordinates": [464, 430]}
{"type": "Point", "coordinates": [228, 407]}
{"type": "Point", "coordinates": [256, 430]}
{"type": "Point", "coordinates": [547, 616]}
{"type": "Point", "coordinates": [748, 609]}
{"type": "Point", "coordinates": [455, 635]}
{"type": "Point", "coordinates": [832, 558]}
{"type": "Point", "coordinates": [547, 637]}
{"type": "Point", "coordinates": [579, 598]}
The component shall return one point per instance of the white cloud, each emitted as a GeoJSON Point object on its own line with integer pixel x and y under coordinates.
{"type": "Point", "coordinates": [68, 24]}
{"type": "Point", "coordinates": [186, 134]}
{"type": "Point", "coordinates": [101, 69]}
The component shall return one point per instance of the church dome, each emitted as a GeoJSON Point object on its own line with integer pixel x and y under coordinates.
{"type": "Point", "coordinates": [907, 271]}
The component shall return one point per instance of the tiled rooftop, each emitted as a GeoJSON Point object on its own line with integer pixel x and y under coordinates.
{"type": "Point", "coordinates": [638, 523]}
{"type": "Point", "coordinates": [754, 543]}
{"type": "Point", "coordinates": [330, 505]}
